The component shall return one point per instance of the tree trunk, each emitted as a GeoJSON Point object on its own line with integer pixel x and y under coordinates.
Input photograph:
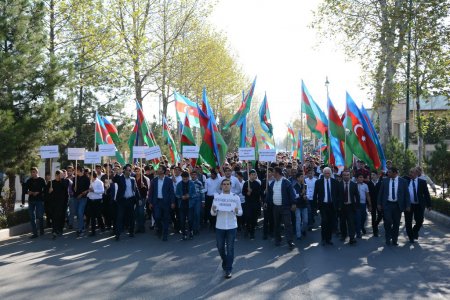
{"type": "Point", "coordinates": [10, 201]}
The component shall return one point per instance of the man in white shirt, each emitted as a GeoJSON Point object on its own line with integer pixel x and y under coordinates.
{"type": "Point", "coordinates": [212, 185]}
{"type": "Point", "coordinates": [235, 186]}
{"type": "Point", "coordinates": [310, 182]}
{"type": "Point", "coordinates": [226, 224]}
{"type": "Point", "coordinates": [95, 195]}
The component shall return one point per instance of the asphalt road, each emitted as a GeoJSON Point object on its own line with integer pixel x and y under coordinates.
{"type": "Point", "coordinates": [147, 268]}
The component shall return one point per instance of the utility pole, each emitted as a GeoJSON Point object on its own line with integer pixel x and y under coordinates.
{"type": "Point", "coordinates": [408, 76]}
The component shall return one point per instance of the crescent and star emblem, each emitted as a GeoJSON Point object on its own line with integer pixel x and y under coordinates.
{"type": "Point", "coordinates": [355, 129]}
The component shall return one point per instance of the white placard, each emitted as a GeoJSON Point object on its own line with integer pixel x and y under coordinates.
{"type": "Point", "coordinates": [152, 153]}
{"type": "Point", "coordinates": [107, 149]}
{"type": "Point", "coordinates": [75, 153]}
{"type": "Point", "coordinates": [246, 153]}
{"type": "Point", "coordinates": [225, 202]}
{"type": "Point", "coordinates": [139, 151]}
{"type": "Point", "coordinates": [269, 155]}
{"type": "Point", "coordinates": [190, 151]}
{"type": "Point", "coordinates": [49, 151]}
{"type": "Point", "coordinates": [92, 157]}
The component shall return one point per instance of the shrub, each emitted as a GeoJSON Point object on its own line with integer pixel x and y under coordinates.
{"type": "Point", "coordinates": [14, 218]}
{"type": "Point", "coordinates": [440, 205]}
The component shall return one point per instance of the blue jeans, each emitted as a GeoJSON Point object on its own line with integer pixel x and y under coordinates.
{"type": "Point", "coordinates": [81, 206]}
{"type": "Point", "coordinates": [73, 206]}
{"type": "Point", "coordinates": [311, 213]}
{"type": "Point", "coordinates": [301, 220]}
{"type": "Point", "coordinates": [360, 218]}
{"type": "Point", "coordinates": [195, 215]}
{"type": "Point", "coordinates": [225, 245]}
{"type": "Point", "coordinates": [36, 211]}
{"type": "Point", "coordinates": [139, 212]}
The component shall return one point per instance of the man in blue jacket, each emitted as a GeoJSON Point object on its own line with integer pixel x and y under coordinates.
{"type": "Point", "coordinates": [161, 200]}
{"type": "Point", "coordinates": [393, 199]}
{"type": "Point", "coordinates": [185, 193]}
{"type": "Point", "coordinates": [282, 196]}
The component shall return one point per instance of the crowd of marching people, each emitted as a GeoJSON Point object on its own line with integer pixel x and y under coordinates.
{"type": "Point", "coordinates": [287, 195]}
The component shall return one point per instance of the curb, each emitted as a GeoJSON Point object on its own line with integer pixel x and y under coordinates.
{"type": "Point", "coordinates": [14, 231]}
{"type": "Point", "coordinates": [437, 217]}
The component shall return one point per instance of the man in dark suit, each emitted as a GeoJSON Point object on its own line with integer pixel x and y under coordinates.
{"type": "Point", "coordinates": [282, 196]}
{"type": "Point", "coordinates": [393, 199]}
{"type": "Point", "coordinates": [420, 198]}
{"type": "Point", "coordinates": [347, 206]}
{"type": "Point", "coordinates": [161, 200]}
{"type": "Point", "coordinates": [127, 196]}
{"type": "Point", "coordinates": [326, 196]}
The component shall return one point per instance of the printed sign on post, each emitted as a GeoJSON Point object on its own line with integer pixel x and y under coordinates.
{"type": "Point", "coordinates": [92, 157]}
{"type": "Point", "coordinates": [152, 153]}
{"type": "Point", "coordinates": [139, 151]}
{"type": "Point", "coordinates": [190, 151]}
{"type": "Point", "coordinates": [268, 155]}
{"type": "Point", "coordinates": [247, 153]}
{"type": "Point", "coordinates": [107, 150]}
{"type": "Point", "coordinates": [225, 202]}
{"type": "Point", "coordinates": [75, 153]}
{"type": "Point", "coordinates": [49, 151]}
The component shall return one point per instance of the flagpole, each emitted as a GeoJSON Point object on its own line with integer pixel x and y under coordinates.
{"type": "Point", "coordinates": [95, 142]}
{"type": "Point", "coordinates": [327, 83]}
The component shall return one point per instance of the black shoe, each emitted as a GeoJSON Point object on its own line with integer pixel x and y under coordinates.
{"type": "Point", "coordinates": [184, 237]}
{"type": "Point", "coordinates": [411, 240]}
{"type": "Point", "coordinates": [394, 243]}
{"type": "Point", "coordinates": [388, 243]}
{"type": "Point", "coordinates": [303, 232]}
{"type": "Point", "coordinates": [92, 234]}
{"type": "Point", "coordinates": [342, 239]}
{"type": "Point", "coordinates": [375, 234]}
{"type": "Point", "coordinates": [291, 245]}
{"type": "Point", "coordinates": [329, 243]}
{"type": "Point", "coordinates": [416, 235]}
{"type": "Point", "coordinates": [277, 243]}
{"type": "Point", "coordinates": [363, 231]}
{"type": "Point", "coordinates": [264, 237]}
{"type": "Point", "coordinates": [228, 275]}
{"type": "Point", "coordinates": [352, 241]}
{"type": "Point", "coordinates": [34, 236]}
{"type": "Point", "coordinates": [191, 235]}
{"type": "Point", "coordinates": [131, 235]}
{"type": "Point", "coordinates": [164, 239]}
{"type": "Point", "coordinates": [117, 237]}
{"type": "Point", "coordinates": [70, 226]}
{"type": "Point", "coordinates": [41, 232]}
{"type": "Point", "coordinates": [102, 229]}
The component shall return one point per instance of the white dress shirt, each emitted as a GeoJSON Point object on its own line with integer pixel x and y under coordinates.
{"type": "Point", "coordinates": [99, 189]}
{"type": "Point", "coordinates": [411, 191]}
{"type": "Point", "coordinates": [277, 197]}
{"type": "Point", "coordinates": [227, 219]}
{"type": "Point", "coordinates": [325, 182]}
{"type": "Point", "coordinates": [310, 183]}
{"type": "Point", "coordinates": [395, 189]}
{"type": "Point", "coordinates": [235, 185]}
{"type": "Point", "coordinates": [212, 185]}
{"type": "Point", "coordinates": [128, 188]}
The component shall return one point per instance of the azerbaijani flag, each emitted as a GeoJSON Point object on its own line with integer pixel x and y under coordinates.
{"type": "Point", "coordinates": [315, 118]}
{"type": "Point", "coordinates": [374, 137]}
{"type": "Point", "coordinates": [267, 144]}
{"type": "Point", "coordinates": [336, 136]}
{"type": "Point", "coordinates": [148, 136]}
{"type": "Point", "coordinates": [103, 135]}
{"type": "Point", "coordinates": [243, 110]}
{"type": "Point", "coordinates": [185, 107]}
{"type": "Point", "coordinates": [298, 152]}
{"type": "Point", "coordinates": [359, 138]}
{"type": "Point", "coordinates": [264, 117]}
{"type": "Point", "coordinates": [172, 147]}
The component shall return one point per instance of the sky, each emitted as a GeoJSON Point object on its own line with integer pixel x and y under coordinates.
{"type": "Point", "coordinates": [272, 41]}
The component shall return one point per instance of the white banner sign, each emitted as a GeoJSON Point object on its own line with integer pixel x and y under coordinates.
{"type": "Point", "coordinates": [190, 151]}
{"type": "Point", "coordinates": [75, 153]}
{"type": "Point", "coordinates": [92, 157]}
{"type": "Point", "coordinates": [49, 151]}
{"type": "Point", "coordinates": [246, 153]}
{"type": "Point", "coordinates": [152, 153]}
{"type": "Point", "coordinates": [225, 202]}
{"type": "Point", "coordinates": [139, 151]}
{"type": "Point", "coordinates": [107, 149]}
{"type": "Point", "coordinates": [268, 155]}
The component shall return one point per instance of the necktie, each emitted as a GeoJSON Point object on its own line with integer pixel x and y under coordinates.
{"type": "Point", "coordinates": [393, 189]}
{"type": "Point", "coordinates": [328, 190]}
{"type": "Point", "coordinates": [346, 192]}
{"type": "Point", "coordinates": [414, 191]}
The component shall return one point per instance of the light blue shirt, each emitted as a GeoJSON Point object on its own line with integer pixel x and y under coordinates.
{"type": "Point", "coordinates": [128, 188]}
{"type": "Point", "coordinates": [160, 187]}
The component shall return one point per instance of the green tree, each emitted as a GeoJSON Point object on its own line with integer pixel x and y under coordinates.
{"type": "Point", "coordinates": [439, 164]}
{"type": "Point", "coordinates": [28, 116]}
{"type": "Point", "coordinates": [395, 151]}
{"type": "Point", "coordinates": [435, 128]}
